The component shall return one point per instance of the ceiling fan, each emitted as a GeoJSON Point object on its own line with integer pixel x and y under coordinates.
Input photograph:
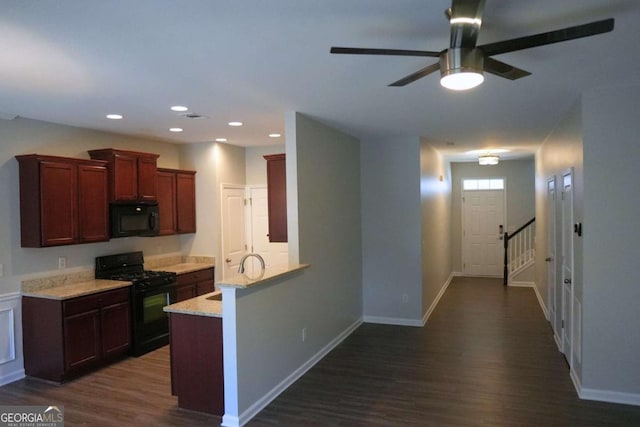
{"type": "Point", "coordinates": [462, 64]}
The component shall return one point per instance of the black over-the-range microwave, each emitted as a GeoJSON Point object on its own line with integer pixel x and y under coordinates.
{"type": "Point", "coordinates": [134, 219]}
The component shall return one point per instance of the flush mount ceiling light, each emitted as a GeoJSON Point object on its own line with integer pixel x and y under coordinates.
{"type": "Point", "coordinates": [175, 129]}
{"type": "Point", "coordinates": [461, 69]}
{"type": "Point", "coordinates": [179, 108]}
{"type": "Point", "coordinates": [114, 116]}
{"type": "Point", "coordinates": [274, 135]}
{"type": "Point", "coordinates": [235, 124]}
{"type": "Point", "coordinates": [488, 160]}
{"type": "Point", "coordinates": [221, 139]}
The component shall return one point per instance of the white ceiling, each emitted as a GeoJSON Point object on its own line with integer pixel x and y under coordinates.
{"type": "Point", "coordinates": [74, 61]}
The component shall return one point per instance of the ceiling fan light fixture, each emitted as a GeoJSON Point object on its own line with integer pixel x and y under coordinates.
{"type": "Point", "coordinates": [461, 69]}
{"type": "Point", "coordinates": [488, 160]}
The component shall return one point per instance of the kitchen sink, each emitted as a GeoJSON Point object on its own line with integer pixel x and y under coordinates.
{"type": "Point", "coordinates": [215, 297]}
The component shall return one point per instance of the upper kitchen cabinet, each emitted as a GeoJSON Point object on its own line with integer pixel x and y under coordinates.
{"type": "Point", "coordinates": [132, 175]}
{"type": "Point", "coordinates": [277, 197]}
{"type": "Point", "coordinates": [176, 201]}
{"type": "Point", "coordinates": [63, 201]}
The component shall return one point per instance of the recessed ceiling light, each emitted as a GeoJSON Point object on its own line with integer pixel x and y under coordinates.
{"type": "Point", "coordinates": [235, 123]}
{"type": "Point", "coordinates": [175, 129]}
{"type": "Point", "coordinates": [114, 116]}
{"type": "Point", "coordinates": [274, 135]}
{"type": "Point", "coordinates": [221, 139]}
{"type": "Point", "coordinates": [180, 108]}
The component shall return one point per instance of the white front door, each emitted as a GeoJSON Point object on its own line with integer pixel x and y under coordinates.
{"type": "Point", "coordinates": [483, 228]}
{"type": "Point", "coordinates": [567, 264]}
{"type": "Point", "coordinates": [274, 254]}
{"type": "Point", "coordinates": [551, 257]}
{"type": "Point", "coordinates": [233, 229]}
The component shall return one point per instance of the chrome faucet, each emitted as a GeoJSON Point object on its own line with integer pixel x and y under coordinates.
{"type": "Point", "coordinates": [244, 258]}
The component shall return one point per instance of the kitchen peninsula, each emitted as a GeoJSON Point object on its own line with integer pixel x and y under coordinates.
{"type": "Point", "coordinates": [197, 351]}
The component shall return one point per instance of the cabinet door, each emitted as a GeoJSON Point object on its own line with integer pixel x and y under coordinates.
{"type": "Point", "coordinates": [167, 202]}
{"type": "Point", "coordinates": [205, 287]}
{"type": "Point", "coordinates": [125, 177]}
{"type": "Point", "coordinates": [277, 197]}
{"type": "Point", "coordinates": [93, 203]}
{"type": "Point", "coordinates": [81, 339]}
{"type": "Point", "coordinates": [186, 202]}
{"type": "Point", "coordinates": [184, 292]}
{"type": "Point", "coordinates": [59, 203]}
{"type": "Point", "coordinates": [147, 186]}
{"type": "Point", "coordinates": [115, 321]}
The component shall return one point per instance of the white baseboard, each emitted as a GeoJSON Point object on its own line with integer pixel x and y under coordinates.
{"type": "Point", "coordinates": [604, 395]}
{"type": "Point", "coordinates": [412, 322]}
{"type": "Point", "coordinates": [398, 321]}
{"type": "Point", "coordinates": [260, 404]}
{"type": "Point", "coordinates": [538, 296]}
{"type": "Point", "coordinates": [437, 299]}
{"type": "Point", "coordinates": [10, 377]}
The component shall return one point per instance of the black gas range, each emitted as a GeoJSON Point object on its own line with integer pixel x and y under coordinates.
{"type": "Point", "coordinates": [151, 291]}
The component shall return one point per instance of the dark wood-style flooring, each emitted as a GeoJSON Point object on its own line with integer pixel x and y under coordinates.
{"type": "Point", "coordinates": [485, 358]}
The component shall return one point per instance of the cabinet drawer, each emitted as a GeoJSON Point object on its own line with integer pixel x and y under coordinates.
{"type": "Point", "coordinates": [114, 297]}
{"type": "Point", "coordinates": [93, 302]}
{"type": "Point", "coordinates": [196, 276]}
{"type": "Point", "coordinates": [80, 305]}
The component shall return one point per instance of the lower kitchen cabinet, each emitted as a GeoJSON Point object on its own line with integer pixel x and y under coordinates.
{"type": "Point", "coordinates": [197, 376]}
{"type": "Point", "coordinates": [191, 285]}
{"type": "Point", "coordinates": [65, 338]}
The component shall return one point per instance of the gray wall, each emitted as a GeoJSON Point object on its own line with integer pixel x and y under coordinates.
{"type": "Point", "coordinates": [520, 178]}
{"type": "Point", "coordinates": [256, 165]}
{"type": "Point", "coordinates": [391, 230]}
{"type": "Point", "coordinates": [611, 321]}
{"type": "Point", "coordinates": [435, 195]}
{"type": "Point", "coordinates": [326, 298]}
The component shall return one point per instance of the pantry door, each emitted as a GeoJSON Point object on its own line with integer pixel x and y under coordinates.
{"type": "Point", "coordinates": [483, 232]}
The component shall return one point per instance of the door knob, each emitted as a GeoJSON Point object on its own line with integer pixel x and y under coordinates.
{"type": "Point", "coordinates": [567, 281]}
{"type": "Point", "coordinates": [549, 259]}
{"type": "Point", "coordinates": [228, 260]}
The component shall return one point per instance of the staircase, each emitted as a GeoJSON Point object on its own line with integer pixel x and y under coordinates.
{"type": "Point", "coordinates": [519, 250]}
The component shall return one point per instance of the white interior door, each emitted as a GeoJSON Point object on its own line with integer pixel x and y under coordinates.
{"type": "Point", "coordinates": [482, 233]}
{"type": "Point", "coordinates": [233, 229]}
{"type": "Point", "coordinates": [551, 257]}
{"type": "Point", "coordinates": [567, 264]}
{"type": "Point", "coordinates": [274, 254]}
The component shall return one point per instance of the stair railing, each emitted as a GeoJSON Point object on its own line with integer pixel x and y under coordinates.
{"type": "Point", "coordinates": [521, 250]}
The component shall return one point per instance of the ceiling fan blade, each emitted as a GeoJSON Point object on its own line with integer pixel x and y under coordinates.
{"type": "Point", "coordinates": [465, 18]}
{"type": "Point", "coordinates": [392, 52]}
{"type": "Point", "coordinates": [550, 37]}
{"type": "Point", "coordinates": [417, 75]}
{"type": "Point", "coordinates": [501, 69]}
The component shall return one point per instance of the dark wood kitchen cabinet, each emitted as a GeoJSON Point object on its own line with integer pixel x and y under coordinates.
{"type": "Point", "coordinates": [277, 197]}
{"type": "Point", "coordinates": [63, 201]}
{"type": "Point", "coordinates": [132, 175]}
{"type": "Point", "coordinates": [64, 338]}
{"type": "Point", "coordinates": [197, 373]}
{"type": "Point", "coordinates": [176, 201]}
{"type": "Point", "coordinates": [191, 285]}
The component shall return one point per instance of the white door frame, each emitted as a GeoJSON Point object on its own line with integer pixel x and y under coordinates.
{"type": "Point", "coordinates": [551, 259]}
{"type": "Point", "coordinates": [462, 216]}
{"type": "Point", "coordinates": [567, 239]}
{"type": "Point", "coordinates": [224, 187]}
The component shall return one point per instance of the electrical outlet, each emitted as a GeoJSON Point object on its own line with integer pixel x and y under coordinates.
{"type": "Point", "coordinates": [304, 334]}
{"type": "Point", "coordinates": [405, 298]}
{"type": "Point", "coordinates": [62, 262]}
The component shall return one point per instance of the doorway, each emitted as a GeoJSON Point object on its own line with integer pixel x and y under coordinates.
{"type": "Point", "coordinates": [233, 228]}
{"type": "Point", "coordinates": [566, 207]}
{"type": "Point", "coordinates": [274, 254]}
{"type": "Point", "coordinates": [552, 276]}
{"type": "Point", "coordinates": [483, 226]}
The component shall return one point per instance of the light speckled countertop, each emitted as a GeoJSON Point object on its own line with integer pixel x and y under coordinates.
{"type": "Point", "coordinates": [198, 306]}
{"type": "Point", "coordinates": [243, 281]}
{"type": "Point", "coordinates": [184, 267]}
{"type": "Point", "coordinates": [74, 290]}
